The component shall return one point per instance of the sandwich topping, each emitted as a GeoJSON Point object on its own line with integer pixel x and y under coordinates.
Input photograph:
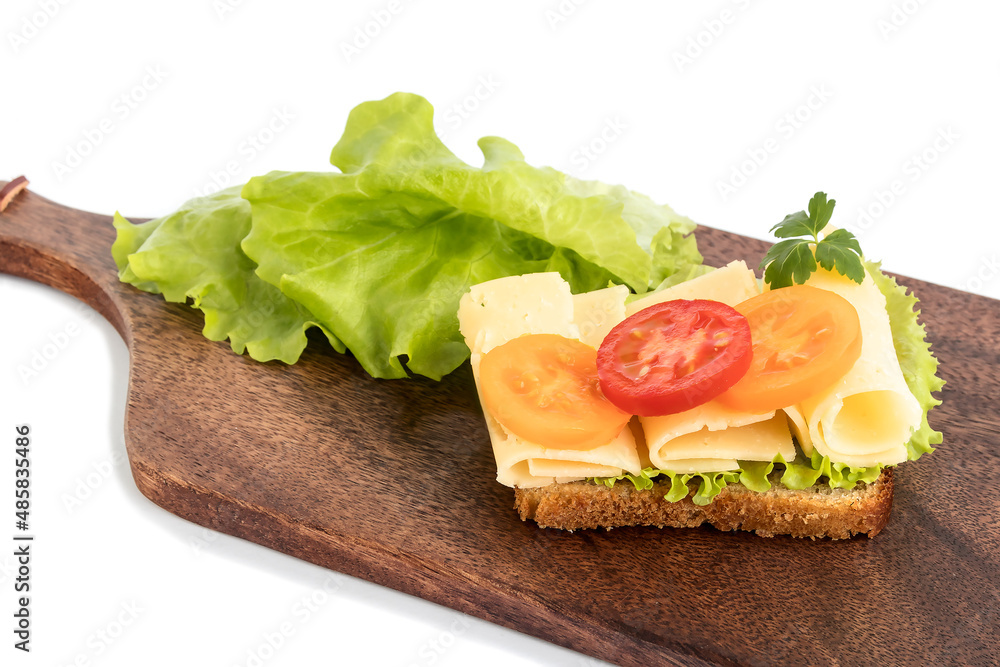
{"type": "Point", "coordinates": [835, 382]}
{"type": "Point", "coordinates": [804, 340]}
{"type": "Point", "coordinates": [674, 356]}
{"type": "Point", "coordinates": [544, 388]}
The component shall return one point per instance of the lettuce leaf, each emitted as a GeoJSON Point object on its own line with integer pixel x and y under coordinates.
{"type": "Point", "coordinates": [385, 270]}
{"type": "Point", "coordinates": [393, 143]}
{"type": "Point", "coordinates": [378, 254]}
{"type": "Point", "coordinates": [675, 257]}
{"type": "Point", "coordinates": [709, 483]}
{"type": "Point", "coordinates": [753, 474]}
{"type": "Point", "coordinates": [195, 254]}
{"type": "Point", "coordinates": [383, 251]}
{"type": "Point", "coordinates": [803, 473]}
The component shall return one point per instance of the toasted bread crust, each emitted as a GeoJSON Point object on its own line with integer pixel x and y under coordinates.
{"type": "Point", "coordinates": [818, 511]}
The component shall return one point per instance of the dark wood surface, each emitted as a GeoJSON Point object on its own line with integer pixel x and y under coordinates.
{"type": "Point", "coordinates": [393, 481]}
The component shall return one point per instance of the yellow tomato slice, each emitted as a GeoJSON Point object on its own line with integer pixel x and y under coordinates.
{"type": "Point", "coordinates": [544, 388]}
{"type": "Point", "coordinates": [804, 340]}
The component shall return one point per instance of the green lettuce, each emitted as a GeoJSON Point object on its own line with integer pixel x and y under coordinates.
{"type": "Point", "coordinates": [195, 254]}
{"type": "Point", "coordinates": [805, 472]}
{"type": "Point", "coordinates": [751, 474]}
{"type": "Point", "coordinates": [754, 474]}
{"type": "Point", "coordinates": [801, 473]}
{"type": "Point", "coordinates": [392, 145]}
{"type": "Point", "coordinates": [709, 483]}
{"type": "Point", "coordinates": [378, 254]}
{"type": "Point", "coordinates": [385, 271]}
{"type": "Point", "coordinates": [383, 251]}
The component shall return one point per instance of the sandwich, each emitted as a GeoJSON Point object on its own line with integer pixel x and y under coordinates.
{"type": "Point", "coordinates": [779, 406]}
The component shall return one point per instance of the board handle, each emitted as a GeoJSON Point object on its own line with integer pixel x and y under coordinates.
{"type": "Point", "coordinates": [64, 248]}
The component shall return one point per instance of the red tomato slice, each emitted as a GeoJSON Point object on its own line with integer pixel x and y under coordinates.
{"type": "Point", "coordinates": [673, 356]}
{"type": "Point", "coordinates": [544, 388]}
{"type": "Point", "coordinates": [804, 340]}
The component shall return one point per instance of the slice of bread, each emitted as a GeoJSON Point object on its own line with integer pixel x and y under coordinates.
{"type": "Point", "coordinates": [818, 511]}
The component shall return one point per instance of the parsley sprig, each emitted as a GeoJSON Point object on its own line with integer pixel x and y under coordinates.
{"type": "Point", "coordinates": [793, 260]}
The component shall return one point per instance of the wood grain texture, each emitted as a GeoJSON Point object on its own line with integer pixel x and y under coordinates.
{"type": "Point", "coordinates": [393, 481]}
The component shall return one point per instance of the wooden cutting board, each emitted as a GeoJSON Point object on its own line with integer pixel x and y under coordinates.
{"type": "Point", "coordinates": [393, 481]}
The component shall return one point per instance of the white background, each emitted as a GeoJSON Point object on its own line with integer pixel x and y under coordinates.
{"type": "Point", "coordinates": [775, 99]}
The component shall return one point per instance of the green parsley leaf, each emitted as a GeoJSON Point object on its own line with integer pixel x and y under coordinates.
{"type": "Point", "coordinates": [793, 260]}
{"type": "Point", "coordinates": [794, 224]}
{"type": "Point", "coordinates": [788, 262]}
{"type": "Point", "coordinates": [821, 210]}
{"type": "Point", "coordinates": [840, 251]}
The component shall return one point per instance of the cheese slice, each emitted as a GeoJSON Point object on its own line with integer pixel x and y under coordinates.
{"type": "Point", "coordinates": [716, 436]}
{"type": "Point", "coordinates": [712, 435]}
{"type": "Point", "coordinates": [731, 284]}
{"type": "Point", "coordinates": [703, 465]}
{"type": "Point", "coordinates": [868, 416]}
{"type": "Point", "coordinates": [596, 313]}
{"type": "Point", "coordinates": [799, 427]}
{"type": "Point", "coordinates": [557, 469]}
{"type": "Point", "coordinates": [497, 311]}
{"type": "Point", "coordinates": [759, 441]}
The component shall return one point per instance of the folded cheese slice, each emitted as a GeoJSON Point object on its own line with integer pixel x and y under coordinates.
{"type": "Point", "coordinates": [715, 438]}
{"type": "Point", "coordinates": [800, 429]}
{"type": "Point", "coordinates": [712, 437]}
{"type": "Point", "coordinates": [868, 416]}
{"type": "Point", "coordinates": [497, 311]}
